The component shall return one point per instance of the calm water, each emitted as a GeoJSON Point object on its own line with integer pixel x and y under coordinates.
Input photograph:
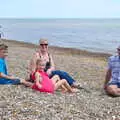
{"type": "Point", "coordinates": [101, 35]}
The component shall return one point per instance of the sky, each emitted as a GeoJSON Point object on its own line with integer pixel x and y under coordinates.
{"type": "Point", "coordinates": [59, 8]}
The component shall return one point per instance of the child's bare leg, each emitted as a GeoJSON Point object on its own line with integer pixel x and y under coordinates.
{"type": "Point", "coordinates": [67, 86]}
{"type": "Point", "coordinates": [63, 82]}
{"type": "Point", "coordinates": [58, 84]}
{"type": "Point", "coordinates": [64, 89]}
{"type": "Point", "coordinates": [55, 79]}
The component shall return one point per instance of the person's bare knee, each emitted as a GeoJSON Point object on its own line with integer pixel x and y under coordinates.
{"type": "Point", "coordinates": [112, 90]}
{"type": "Point", "coordinates": [56, 77]}
{"type": "Point", "coordinates": [64, 81]}
{"type": "Point", "coordinates": [58, 84]}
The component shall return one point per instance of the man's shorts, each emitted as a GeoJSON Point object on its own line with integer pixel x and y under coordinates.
{"type": "Point", "coordinates": [113, 82]}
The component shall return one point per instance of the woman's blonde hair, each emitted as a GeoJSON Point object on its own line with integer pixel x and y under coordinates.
{"type": "Point", "coordinates": [43, 40]}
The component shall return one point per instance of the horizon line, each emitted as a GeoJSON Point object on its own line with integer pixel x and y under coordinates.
{"type": "Point", "coordinates": [59, 18]}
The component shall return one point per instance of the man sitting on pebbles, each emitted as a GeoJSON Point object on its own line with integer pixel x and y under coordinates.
{"type": "Point", "coordinates": [112, 81]}
{"type": "Point", "coordinates": [4, 77]}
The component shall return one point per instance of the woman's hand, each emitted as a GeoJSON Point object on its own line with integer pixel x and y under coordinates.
{"type": "Point", "coordinates": [49, 71]}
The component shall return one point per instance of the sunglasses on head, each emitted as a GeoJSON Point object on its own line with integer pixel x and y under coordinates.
{"type": "Point", "coordinates": [44, 44]}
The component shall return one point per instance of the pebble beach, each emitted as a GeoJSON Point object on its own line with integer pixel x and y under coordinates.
{"type": "Point", "coordinates": [18, 102]}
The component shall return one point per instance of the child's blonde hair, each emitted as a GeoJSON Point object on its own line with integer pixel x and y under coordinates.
{"type": "Point", "coordinates": [39, 60]}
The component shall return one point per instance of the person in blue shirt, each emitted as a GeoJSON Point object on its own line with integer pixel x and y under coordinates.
{"type": "Point", "coordinates": [112, 79]}
{"type": "Point", "coordinates": [4, 77]}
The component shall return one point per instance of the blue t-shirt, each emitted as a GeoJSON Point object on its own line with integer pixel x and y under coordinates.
{"type": "Point", "coordinates": [3, 69]}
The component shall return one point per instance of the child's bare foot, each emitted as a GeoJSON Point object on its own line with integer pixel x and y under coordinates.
{"type": "Point", "coordinates": [64, 91]}
{"type": "Point", "coordinates": [74, 90]}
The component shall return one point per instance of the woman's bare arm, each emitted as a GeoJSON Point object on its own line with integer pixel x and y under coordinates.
{"type": "Point", "coordinates": [32, 65]}
{"type": "Point", "coordinates": [52, 66]}
{"type": "Point", "coordinates": [107, 77]}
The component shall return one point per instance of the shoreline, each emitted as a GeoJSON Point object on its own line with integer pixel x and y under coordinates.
{"type": "Point", "coordinates": [57, 48]}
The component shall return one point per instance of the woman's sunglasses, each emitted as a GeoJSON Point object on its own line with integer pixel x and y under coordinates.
{"type": "Point", "coordinates": [43, 44]}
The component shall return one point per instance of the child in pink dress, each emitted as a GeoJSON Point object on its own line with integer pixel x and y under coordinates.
{"type": "Point", "coordinates": [43, 83]}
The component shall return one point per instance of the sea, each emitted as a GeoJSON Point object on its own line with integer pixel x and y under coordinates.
{"type": "Point", "coordinates": [96, 35]}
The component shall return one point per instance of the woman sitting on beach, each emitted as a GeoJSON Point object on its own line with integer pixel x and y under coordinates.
{"type": "Point", "coordinates": [50, 67]}
{"type": "Point", "coordinates": [43, 83]}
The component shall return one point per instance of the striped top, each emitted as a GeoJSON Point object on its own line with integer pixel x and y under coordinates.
{"type": "Point", "coordinates": [114, 65]}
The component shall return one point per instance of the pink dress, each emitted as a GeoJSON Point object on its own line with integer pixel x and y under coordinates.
{"type": "Point", "coordinates": [47, 84]}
